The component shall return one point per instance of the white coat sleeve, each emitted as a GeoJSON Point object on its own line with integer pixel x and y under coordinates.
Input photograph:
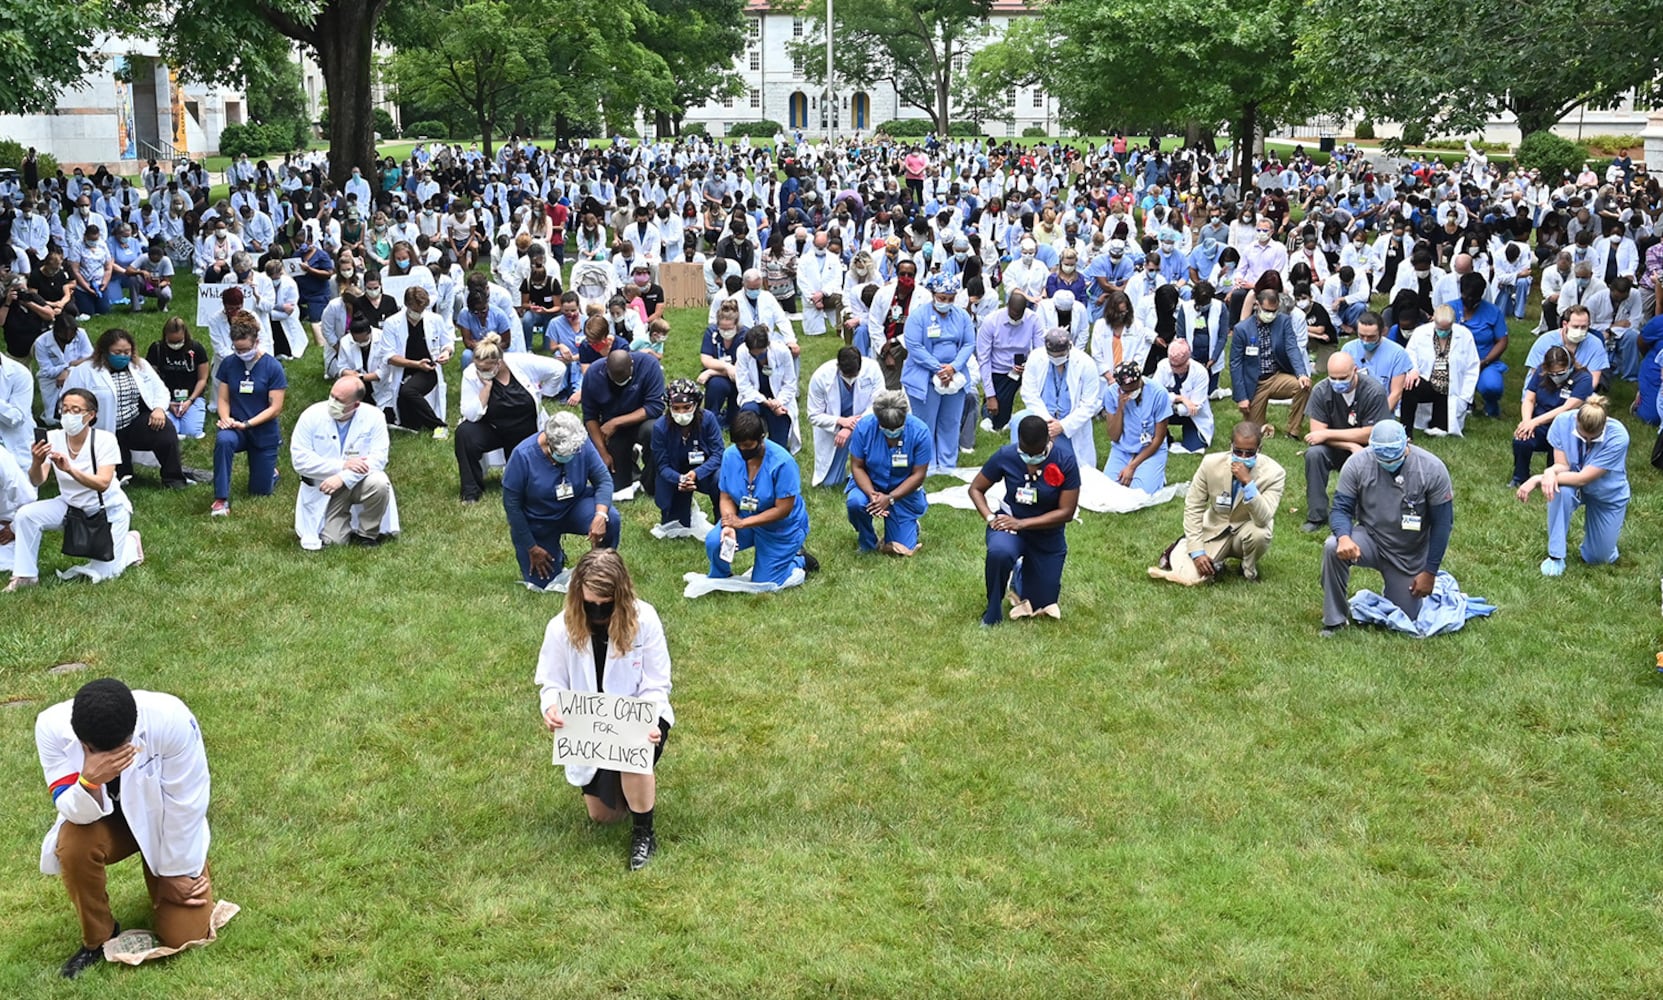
{"type": "Point", "coordinates": [1033, 379]}
{"type": "Point", "coordinates": [820, 412]}
{"type": "Point", "coordinates": [785, 377]}
{"type": "Point", "coordinates": [1088, 401]}
{"type": "Point", "coordinates": [472, 408]}
{"type": "Point", "coordinates": [552, 664]}
{"type": "Point", "coordinates": [60, 758]}
{"type": "Point", "coordinates": [655, 660]}
{"type": "Point", "coordinates": [749, 389]}
{"type": "Point", "coordinates": [309, 463]}
{"type": "Point", "coordinates": [184, 774]}
{"type": "Point", "coordinates": [18, 395]}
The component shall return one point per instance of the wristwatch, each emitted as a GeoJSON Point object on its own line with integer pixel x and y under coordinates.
{"type": "Point", "coordinates": [990, 518]}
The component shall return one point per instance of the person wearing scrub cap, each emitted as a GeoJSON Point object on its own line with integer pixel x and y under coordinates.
{"type": "Point", "coordinates": [1393, 511]}
{"type": "Point", "coordinates": [556, 484]}
{"type": "Point", "coordinates": [1135, 415]}
{"type": "Point", "coordinates": [687, 445]}
{"type": "Point", "coordinates": [1589, 470]}
{"type": "Point", "coordinates": [939, 343]}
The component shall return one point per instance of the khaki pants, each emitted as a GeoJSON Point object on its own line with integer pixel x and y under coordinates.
{"type": "Point", "coordinates": [1280, 386]}
{"type": "Point", "coordinates": [1248, 542]}
{"type": "Point", "coordinates": [85, 852]}
{"type": "Point", "coordinates": [372, 492]}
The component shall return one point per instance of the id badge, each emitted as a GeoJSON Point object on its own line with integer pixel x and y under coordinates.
{"type": "Point", "coordinates": [1441, 365]}
{"type": "Point", "coordinates": [1351, 418]}
{"type": "Point", "coordinates": [898, 460]}
{"type": "Point", "coordinates": [246, 387]}
{"type": "Point", "coordinates": [747, 505]}
{"type": "Point", "coordinates": [1411, 522]}
{"type": "Point", "coordinates": [1223, 501]}
{"type": "Point", "coordinates": [563, 492]}
{"type": "Point", "coordinates": [180, 395]}
{"type": "Point", "coordinates": [1251, 350]}
{"type": "Point", "coordinates": [934, 332]}
{"type": "Point", "coordinates": [1027, 495]}
{"type": "Point", "coordinates": [1145, 438]}
{"type": "Point", "coordinates": [695, 458]}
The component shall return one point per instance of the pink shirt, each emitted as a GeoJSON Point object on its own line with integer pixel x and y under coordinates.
{"type": "Point", "coordinates": [915, 164]}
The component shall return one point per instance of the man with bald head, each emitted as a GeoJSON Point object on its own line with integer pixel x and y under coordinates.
{"type": "Point", "coordinates": [1191, 425]}
{"type": "Point", "coordinates": [622, 398]}
{"type": "Point", "coordinates": [1343, 409]}
{"type": "Point", "coordinates": [339, 450]}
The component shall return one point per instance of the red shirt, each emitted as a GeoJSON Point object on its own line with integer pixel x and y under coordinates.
{"type": "Point", "coordinates": [558, 214]}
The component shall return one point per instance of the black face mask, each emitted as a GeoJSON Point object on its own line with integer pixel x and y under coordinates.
{"type": "Point", "coordinates": [598, 612]}
{"type": "Point", "coordinates": [751, 454]}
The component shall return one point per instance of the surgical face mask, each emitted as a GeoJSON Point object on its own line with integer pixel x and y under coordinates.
{"type": "Point", "coordinates": [74, 423]}
{"type": "Point", "coordinates": [1261, 237]}
{"type": "Point", "coordinates": [562, 459]}
{"type": "Point", "coordinates": [1370, 346]}
{"type": "Point", "coordinates": [626, 380]}
{"type": "Point", "coordinates": [753, 293]}
{"type": "Point", "coordinates": [1390, 464]}
{"type": "Point", "coordinates": [1575, 335]}
{"type": "Point", "coordinates": [1168, 247]}
{"type": "Point", "coordinates": [942, 307]}
{"type": "Point", "coordinates": [728, 334]}
{"type": "Point", "coordinates": [83, 211]}
{"type": "Point", "coordinates": [1341, 386]}
{"type": "Point", "coordinates": [1266, 315]}
{"type": "Point", "coordinates": [892, 433]}
{"type": "Point", "coordinates": [1427, 273]}
{"type": "Point", "coordinates": [682, 419]}
{"type": "Point", "coordinates": [118, 362]}
{"type": "Point", "coordinates": [175, 347]}
{"type": "Point", "coordinates": [1027, 255]}
{"type": "Point", "coordinates": [1058, 360]}
{"type": "Point", "coordinates": [1302, 303]}
{"type": "Point", "coordinates": [1246, 463]}
{"type": "Point", "coordinates": [1132, 395]}
{"type": "Point", "coordinates": [1028, 459]}
{"type": "Point", "coordinates": [960, 256]}
{"type": "Point", "coordinates": [247, 357]}
{"type": "Point", "coordinates": [338, 411]}
{"type": "Point", "coordinates": [1441, 333]}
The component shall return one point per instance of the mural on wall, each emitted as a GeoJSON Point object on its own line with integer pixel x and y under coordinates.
{"type": "Point", "coordinates": [180, 140]}
{"type": "Point", "coordinates": [126, 141]}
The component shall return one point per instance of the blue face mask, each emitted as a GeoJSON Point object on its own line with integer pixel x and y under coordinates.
{"type": "Point", "coordinates": [1246, 463]}
{"type": "Point", "coordinates": [1030, 459]}
{"type": "Point", "coordinates": [1369, 347]}
{"type": "Point", "coordinates": [1389, 464]}
{"type": "Point", "coordinates": [893, 434]}
{"type": "Point", "coordinates": [563, 459]}
{"type": "Point", "coordinates": [118, 362]}
{"type": "Point", "coordinates": [1341, 387]}
{"type": "Point", "coordinates": [753, 293]}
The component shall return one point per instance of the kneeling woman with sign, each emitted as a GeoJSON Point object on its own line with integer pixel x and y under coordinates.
{"type": "Point", "coordinates": [607, 641]}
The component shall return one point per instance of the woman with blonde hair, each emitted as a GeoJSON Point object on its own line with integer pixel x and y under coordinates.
{"type": "Point", "coordinates": [1589, 470]}
{"type": "Point", "coordinates": [607, 640]}
{"type": "Point", "coordinates": [502, 395]}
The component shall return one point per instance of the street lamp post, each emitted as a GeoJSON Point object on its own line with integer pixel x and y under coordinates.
{"type": "Point", "coordinates": [831, 93]}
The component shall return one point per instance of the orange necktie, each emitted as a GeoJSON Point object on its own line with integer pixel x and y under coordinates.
{"type": "Point", "coordinates": [1117, 351]}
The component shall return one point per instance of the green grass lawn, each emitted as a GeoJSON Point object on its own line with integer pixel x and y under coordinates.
{"type": "Point", "coordinates": [1169, 792]}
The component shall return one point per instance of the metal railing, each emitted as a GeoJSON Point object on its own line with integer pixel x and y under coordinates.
{"type": "Point", "coordinates": [158, 150]}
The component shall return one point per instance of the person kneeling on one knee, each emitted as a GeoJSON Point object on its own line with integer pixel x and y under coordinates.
{"type": "Point", "coordinates": [340, 454]}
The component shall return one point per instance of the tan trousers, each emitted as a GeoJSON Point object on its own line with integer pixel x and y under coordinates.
{"type": "Point", "coordinates": [1280, 386]}
{"type": "Point", "coordinates": [373, 492]}
{"type": "Point", "coordinates": [86, 851]}
{"type": "Point", "coordinates": [1248, 542]}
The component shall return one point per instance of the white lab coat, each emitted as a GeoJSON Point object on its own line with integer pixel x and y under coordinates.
{"type": "Point", "coordinates": [17, 409]}
{"type": "Point", "coordinates": [153, 392]}
{"type": "Point", "coordinates": [765, 311]}
{"type": "Point", "coordinates": [1628, 258]}
{"type": "Point", "coordinates": [15, 491]}
{"type": "Point", "coordinates": [1136, 341]}
{"type": "Point", "coordinates": [346, 355]}
{"type": "Point", "coordinates": [1085, 392]}
{"type": "Point", "coordinates": [782, 379]}
{"type": "Point", "coordinates": [818, 274]}
{"type": "Point", "coordinates": [51, 359]}
{"type": "Point", "coordinates": [394, 333]}
{"type": "Point", "coordinates": [317, 452]}
{"type": "Point", "coordinates": [1194, 388]}
{"type": "Point", "coordinates": [1218, 333]}
{"type": "Point", "coordinates": [1079, 323]}
{"type": "Point", "coordinates": [164, 791]}
{"type": "Point", "coordinates": [1463, 368]}
{"type": "Point", "coordinates": [641, 671]}
{"type": "Point", "coordinates": [825, 407]}
{"type": "Point", "coordinates": [283, 293]}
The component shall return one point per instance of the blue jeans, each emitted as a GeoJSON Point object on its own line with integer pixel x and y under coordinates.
{"type": "Point", "coordinates": [189, 425]}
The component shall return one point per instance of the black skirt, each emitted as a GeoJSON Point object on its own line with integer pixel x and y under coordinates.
{"type": "Point", "coordinates": [608, 786]}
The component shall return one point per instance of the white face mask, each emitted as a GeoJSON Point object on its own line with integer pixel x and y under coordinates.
{"type": "Point", "coordinates": [1575, 335]}
{"type": "Point", "coordinates": [682, 419]}
{"type": "Point", "coordinates": [1058, 360]}
{"type": "Point", "coordinates": [247, 357]}
{"type": "Point", "coordinates": [1302, 303]}
{"type": "Point", "coordinates": [1261, 237]}
{"type": "Point", "coordinates": [337, 410]}
{"type": "Point", "coordinates": [74, 423]}
{"type": "Point", "coordinates": [1267, 315]}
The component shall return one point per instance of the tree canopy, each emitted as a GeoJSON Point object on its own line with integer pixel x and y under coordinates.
{"type": "Point", "coordinates": [42, 49]}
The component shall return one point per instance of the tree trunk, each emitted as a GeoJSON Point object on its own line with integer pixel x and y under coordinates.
{"type": "Point", "coordinates": [485, 134]}
{"type": "Point", "coordinates": [1248, 126]}
{"type": "Point", "coordinates": [1533, 117]}
{"type": "Point", "coordinates": [941, 86]}
{"type": "Point", "coordinates": [661, 123]}
{"type": "Point", "coordinates": [346, 52]}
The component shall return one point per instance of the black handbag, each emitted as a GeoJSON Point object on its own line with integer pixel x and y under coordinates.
{"type": "Point", "coordinates": [88, 535]}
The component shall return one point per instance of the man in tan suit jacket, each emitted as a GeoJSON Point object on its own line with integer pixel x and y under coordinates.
{"type": "Point", "coordinates": [1229, 512]}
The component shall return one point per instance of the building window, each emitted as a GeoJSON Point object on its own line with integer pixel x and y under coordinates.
{"type": "Point", "coordinates": [796, 27]}
{"type": "Point", "coordinates": [754, 28]}
{"type": "Point", "coordinates": [756, 60]}
{"type": "Point", "coordinates": [796, 64]}
{"type": "Point", "coordinates": [756, 98]}
{"type": "Point", "coordinates": [1039, 98]}
{"type": "Point", "coordinates": [1010, 130]}
{"type": "Point", "coordinates": [727, 102]}
{"type": "Point", "coordinates": [1010, 97]}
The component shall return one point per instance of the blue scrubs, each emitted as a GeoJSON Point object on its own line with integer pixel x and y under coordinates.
{"type": "Point", "coordinates": [1386, 362]}
{"type": "Point", "coordinates": [778, 545]}
{"type": "Point", "coordinates": [888, 464]}
{"type": "Point", "coordinates": [1651, 370]}
{"type": "Point", "coordinates": [1105, 267]}
{"type": "Point", "coordinates": [563, 333]}
{"type": "Point", "coordinates": [1606, 498]}
{"type": "Point", "coordinates": [1487, 325]}
{"type": "Point", "coordinates": [250, 395]}
{"type": "Point", "coordinates": [1548, 397]}
{"type": "Point", "coordinates": [678, 450]}
{"type": "Point", "coordinates": [1143, 416]}
{"type": "Point", "coordinates": [720, 394]}
{"type": "Point", "coordinates": [934, 339]}
{"type": "Point", "coordinates": [1589, 355]}
{"type": "Point", "coordinates": [545, 499]}
{"type": "Point", "coordinates": [1029, 562]}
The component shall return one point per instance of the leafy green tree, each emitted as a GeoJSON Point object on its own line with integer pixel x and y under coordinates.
{"type": "Point", "coordinates": [44, 46]}
{"type": "Point", "coordinates": [910, 45]}
{"type": "Point", "coordinates": [698, 41]}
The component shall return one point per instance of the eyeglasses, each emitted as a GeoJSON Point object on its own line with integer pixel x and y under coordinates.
{"type": "Point", "coordinates": [1244, 452]}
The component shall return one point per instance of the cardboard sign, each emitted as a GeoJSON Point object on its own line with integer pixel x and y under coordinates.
{"type": "Point", "coordinates": [292, 267]}
{"type": "Point", "coordinates": [208, 304]}
{"type": "Point", "coordinates": [607, 731]}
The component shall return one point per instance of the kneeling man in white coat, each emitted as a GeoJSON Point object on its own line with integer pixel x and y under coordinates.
{"type": "Point", "coordinates": [339, 450]}
{"type": "Point", "coordinates": [128, 775]}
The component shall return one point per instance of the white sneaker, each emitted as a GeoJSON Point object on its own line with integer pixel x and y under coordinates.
{"type": "Point", "coordinates": [986, 424]}
{"type": "Point", "coordinates": [311, 543]}
{"type": "Point", "coordinates": [441, 433]}
{"type": "Point", "coordinates": [625, 494]}
{"type": "Point", "coordinates": [1219, 394]}
{"type": "Point", "coordinates": [1436, 432]}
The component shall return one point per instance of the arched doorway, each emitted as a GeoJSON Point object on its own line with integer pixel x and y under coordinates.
{"type": "Point", "coordinates": [860, 109]}
{"type": "Point", "coordinates": [798, 110]}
